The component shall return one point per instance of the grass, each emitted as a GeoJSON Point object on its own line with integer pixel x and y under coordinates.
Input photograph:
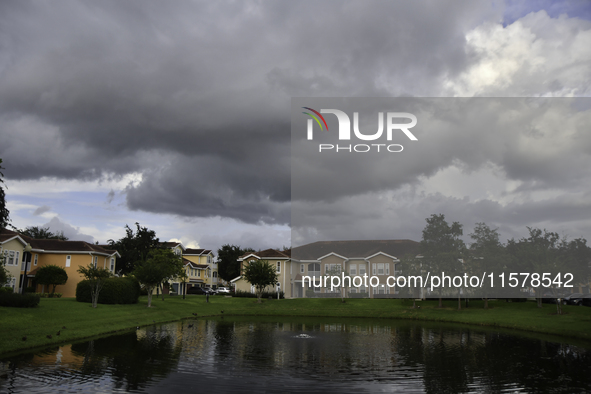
{"type": "Point", "coordinates": [82, 321]}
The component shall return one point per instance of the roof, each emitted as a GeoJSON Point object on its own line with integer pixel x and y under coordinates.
{"type": "Point", "coordinates": [197, 252]}
{"type": "Point", "coordinates": [8, 235]}
{"type": "Point", "coordinates": [269, 253]}
{"type": "Point", "coordinates": [194, 265]}
{"type": "Point", "coordinates": [171, 244]}
{"type": "Point", "coordinates": [351, 249]}
{"type": "Point", "coordinates": [56, 245]}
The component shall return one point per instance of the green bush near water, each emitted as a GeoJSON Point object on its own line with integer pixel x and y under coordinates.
{"type": "Point", "coordinates": [115, 291]}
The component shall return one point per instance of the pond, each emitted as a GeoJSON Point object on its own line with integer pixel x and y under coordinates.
{"type": "Point", "coordinates": [304, 355]}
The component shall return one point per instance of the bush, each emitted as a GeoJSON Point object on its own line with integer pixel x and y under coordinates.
{"type": "Point", "coordinates": [30, 289]}
{"type": "Point", "coordinates": [6, 290]}
{"type": "Point", "coordinates": [49, 295]}
{"type": "Point", "coordinates": [266, 294]}
{"type": "Point", "coordinates": [19, 300]}
{"type": "Point", "coordinates": [115, 291]}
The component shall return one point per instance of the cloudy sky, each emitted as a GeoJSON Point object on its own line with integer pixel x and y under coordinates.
{"type": "Point", "coordinates": [177, 115]}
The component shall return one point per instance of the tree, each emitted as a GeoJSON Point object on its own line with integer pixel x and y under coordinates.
{"type": "Point", "coordinates": [228, 264]}
{"type": "Point", "coordinates": [161, 265]}
{"type": "Point", "coordinates": [337, 271]}
{"type": "Point", "coordinates": [134, 247]}
{"type": "Point", "coordinates": [4, 218]}
{"type": "Point", "coordinates": [442, 248]}
{"type": "Point", "coordinates": [51, 275]}
{"type": "Point", "coordinates": [536, 254]}
{"type": "Point", "coordinates": [260, 274]}
{"type": "Point", "coordinates": [96, 278]}
{"type": "Point", "coordinates": [4, 274]}
{"type": "Point", "coordinates": [183, 278]}
{"type": "Point", "coordinates": [488, 254]}
{"type": "Point", "coordinates": [37, 232]}
{"type": "Point", "coordinates": [413, 268]}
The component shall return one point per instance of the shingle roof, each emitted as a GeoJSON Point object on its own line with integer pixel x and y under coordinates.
{"type": "Point", "coordinates": [189, 251]}
{"type": "Point", "coordinates": [169, 244]}
{"type": "Point", "coordinates": [267, 253]}
{"type": "Point", "coordinates": [350, 249]}
{"type": "Point", "coordinates": [58, 245]}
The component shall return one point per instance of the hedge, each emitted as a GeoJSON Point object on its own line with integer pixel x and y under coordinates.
{"type": "Point", "coordinates": [19, 300]}
{"type": "Point", "coordinates": [115, 291]}
{"type": "Point", "coordinates": [266, 294]}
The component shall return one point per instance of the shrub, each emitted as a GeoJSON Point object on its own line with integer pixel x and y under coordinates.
{"type": "Point", "coordinates": [266, 294]}
{"type": "Point", "coordinates": [115, 291]}
{"type": "Point", "coordinates": [30, 289]}
{"type": "Point", "coordinates": [6, 290]}
{"type": "Point", "coordinates": [19, 300]}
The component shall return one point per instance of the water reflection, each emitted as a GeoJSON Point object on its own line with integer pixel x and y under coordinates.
{"type": "Point", "coordinates": [304, 355]}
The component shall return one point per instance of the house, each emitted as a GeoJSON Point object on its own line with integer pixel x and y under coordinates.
{"type": "Point", "coordinates": [378, 258]}
{"type": "Point", "coordinates": [199, 266]}
{"type": "Point", "coordinates": [203, 260]}
{"type": "Point", "coordinates": [13, 248]}
{"type": "Point", "coordinates": [281, 260]}
{"type": "Point", "coordinates": [69, 255]}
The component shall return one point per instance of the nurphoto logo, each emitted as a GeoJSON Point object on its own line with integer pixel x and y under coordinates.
{"type": "Point", "coordinates": [393, 125]}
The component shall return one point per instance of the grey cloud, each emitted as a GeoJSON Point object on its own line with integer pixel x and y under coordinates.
{"type": "Point", "coordinates": [195, 95]}
{"type": "Point", "coordinates": [41, 210]}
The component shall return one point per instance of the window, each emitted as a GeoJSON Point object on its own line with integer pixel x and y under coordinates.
{"type": "Point", "coordinates": [95, 261]}
{"type": "Point", "coordinates": [68, 260]}
{"type": "Point", "coordinates": [178, 252]}
{"type": "Point", "coordinates": [10, 260]}
{"type": "Point", "coordinates": [380, 268]}
{"type": "Point", "coordinates": [332, 268]}
{"type": "Point", "coordinates": [353, 269]}
{"type": "Point", "coordinates": [314, 269]}
{"type": "Point", "coordinates": [112, 264]}
{"type": "Point", "coordinates": [361, 269]}
{"type": "Point", "coordinates": [215, 274]}
{"type": "Point", "coordinates": [199, 274]}
{"type": "Point", "coordinates": [208, 259]}
{"type": "Point", "coordinates": [36, 258]}
{"type": "Point", "coordinates": [353, 290]}
{"type": "Point", "coordinates": [387, 268]}
{"type": "Point", "coordinates": [278, 266]}
{"type": "Point", "coordinates": [373, 268]}
{"type": "Point", "coordinates": [302, 268]}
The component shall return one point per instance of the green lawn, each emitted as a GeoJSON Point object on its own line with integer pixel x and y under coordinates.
{"type": "Point", "coordinates": [81, 321]}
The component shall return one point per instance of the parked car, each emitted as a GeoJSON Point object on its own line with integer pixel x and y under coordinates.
{"type": "Point", "coordinates": [211, 291]}
{"type": "Point", "coordinates": [223, 290]}
{"type": "Point", "coordinates": [197, 290]}
{"type": "Point", "coordinates": [586, 300]}
{"type": "Point", "coordinates": [573, 299]}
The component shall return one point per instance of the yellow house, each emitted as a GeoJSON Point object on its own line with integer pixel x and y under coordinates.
{"type": "Point", "coordinates": [69, 255]}
{"type": "Point", "coordinates": [203, 260]}
{"type": "Point", "coordinates": [199, 266]}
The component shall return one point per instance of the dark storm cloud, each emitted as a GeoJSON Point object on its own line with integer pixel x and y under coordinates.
{"type": "Point", "coordinates": [195, 95]}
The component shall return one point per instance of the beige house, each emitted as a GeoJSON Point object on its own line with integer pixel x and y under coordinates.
{"type": "Point", "coordinates": [301, 270]}
{"type": "Point", "coordinates": [12, 248]}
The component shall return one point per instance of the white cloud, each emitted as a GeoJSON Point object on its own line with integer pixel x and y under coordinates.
{"type": "Point", "coordinates": [535, 56]}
